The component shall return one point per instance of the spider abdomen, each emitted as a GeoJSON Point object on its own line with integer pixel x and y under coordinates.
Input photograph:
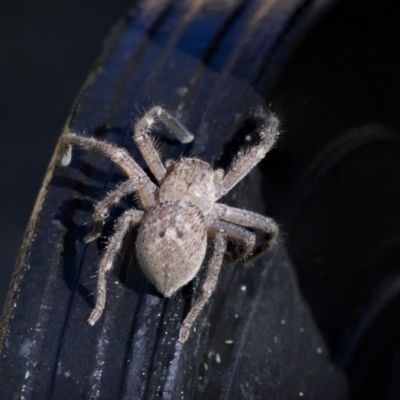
{"type": "Point", "coordinates": [171, 245]}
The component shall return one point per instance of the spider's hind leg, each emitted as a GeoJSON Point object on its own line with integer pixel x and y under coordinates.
{"type": "Point", "coordinates": [125, 221]}
{"type": "Point", "coordinates": [209, 284]}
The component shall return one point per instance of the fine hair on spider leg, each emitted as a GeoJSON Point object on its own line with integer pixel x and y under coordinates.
{"type": "Point", "coordinates": [179, 213]}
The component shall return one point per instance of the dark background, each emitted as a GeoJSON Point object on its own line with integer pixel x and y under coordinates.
{"type": "Point", "coordinates": [47, 49]}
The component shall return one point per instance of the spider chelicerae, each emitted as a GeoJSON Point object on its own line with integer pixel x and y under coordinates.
{"type": "Point", "coordinates": [179, 213]}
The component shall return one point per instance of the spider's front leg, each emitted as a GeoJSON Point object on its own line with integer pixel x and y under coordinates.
{"type": "Point", "coordinates": [250, 219]}
{"type": "Point", "coordinates": [210, 282]}
{"type": "Point", "coordinates": [145, 187]}
{"type": "Point", "coordinates": [141, 136]}
{"type": "Point", "coordinates": [124, 223]}
{"type": "Point", "coordinates": [246, 161]}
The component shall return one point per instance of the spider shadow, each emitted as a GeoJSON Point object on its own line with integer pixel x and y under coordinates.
{"type": "Point", "coordinates": [82, 186]}
{"type": "Point", "coordinates": [74, 233]}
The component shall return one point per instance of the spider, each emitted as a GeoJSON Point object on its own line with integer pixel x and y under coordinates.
{"type": "Point", "coordinates": [180, 213]}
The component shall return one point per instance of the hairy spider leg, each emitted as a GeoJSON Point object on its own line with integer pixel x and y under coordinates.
{"type": "Point", "coordinates": [124, 223]}
{"type": "Point", "coordinates": [146, 145]}
{"type": "Point", "coordinates": [102, 208]}
{"type": "Point", "coordinates": [122, 159]}
{"type": "Point", "coordinates": [247, 160]}
{"type": "Point", "coordinates": [247, 239]}
{"type": "Point", "coordinates": [209, 284]}
{"type": "Point", "coordinates": [250, 219]}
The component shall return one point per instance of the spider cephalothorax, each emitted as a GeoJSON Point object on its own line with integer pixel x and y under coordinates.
{"type": "Point", "coordinates": [180, 213]}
